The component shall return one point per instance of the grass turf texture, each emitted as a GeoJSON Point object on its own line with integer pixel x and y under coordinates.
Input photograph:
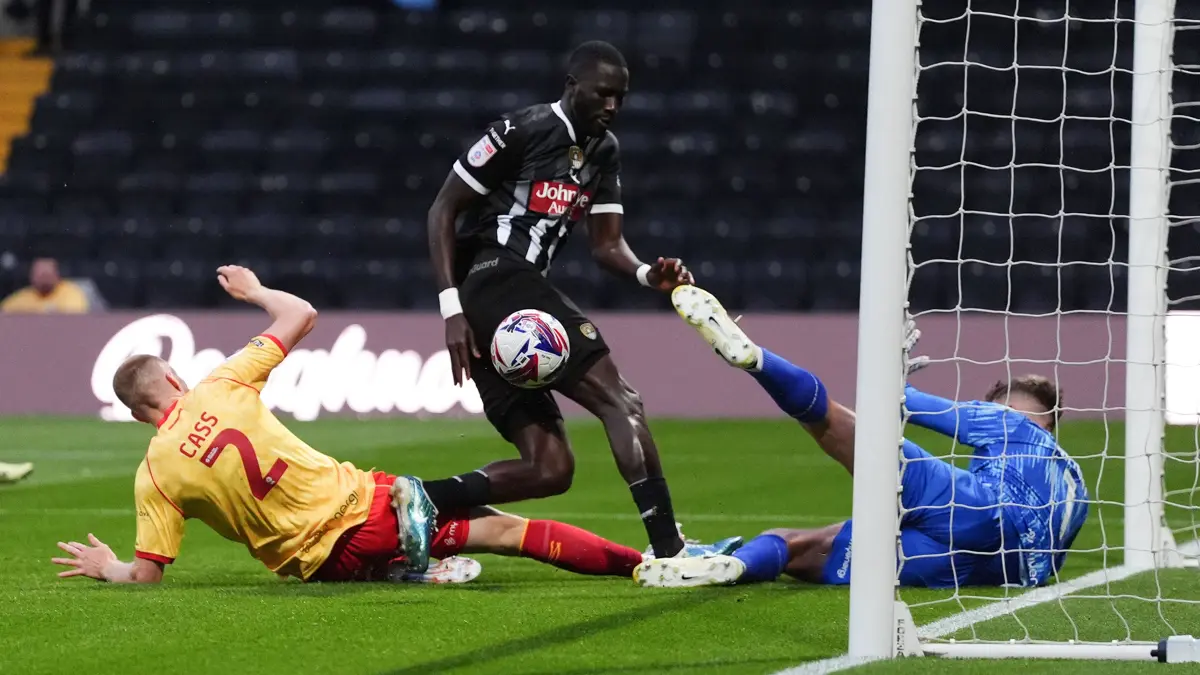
{"type": "Point", "coordinates": [220, 611]}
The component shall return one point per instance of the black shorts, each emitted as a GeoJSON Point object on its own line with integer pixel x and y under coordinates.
{"type": "Point", "coordinates": [494, 286]}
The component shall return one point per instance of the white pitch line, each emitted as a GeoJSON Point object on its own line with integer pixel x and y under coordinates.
{"type": "Point", "coordinates": [843, 662]}
{"type": "Point", "coordinates": [783, 520]}
{"type": "Point", "coordinates": [100, 512]}
{"type": "Point", "coordinates": [956, 622]}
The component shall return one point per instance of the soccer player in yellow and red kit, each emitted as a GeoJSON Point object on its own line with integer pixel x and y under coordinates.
{"type": "Point", "coordinates": [220, 456]}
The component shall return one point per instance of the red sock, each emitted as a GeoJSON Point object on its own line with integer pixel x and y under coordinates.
{"type": "Point", "coordinates": [577, 550]}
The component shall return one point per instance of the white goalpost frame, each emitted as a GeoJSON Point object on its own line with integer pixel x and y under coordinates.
{"type": "Point", "coordinates": [1147, 538]}
{"type": "Point", "coordinates": [880, 624]}
{"type": "Point", "coordinates": [880, 380]}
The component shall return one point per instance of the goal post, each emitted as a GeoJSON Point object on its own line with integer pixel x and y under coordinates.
{"type": "Point", "coordinates": [1046, 40]}
{"type": "Point", "coordinates": [881, 323]}
{"type": "Point", "coordinates": [1145, 366]}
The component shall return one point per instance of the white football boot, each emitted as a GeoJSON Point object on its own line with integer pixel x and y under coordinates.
{"type": "Point", "coordinates": [695, 547]}
{"type": "Point", "coordinates": [452, 570]}
{"type": "Point", "coordinates": [686, 572]}
{"type": "Point", "coordinates": [11, 473]}
{"type": "Point", "coordinates": [704, 312]}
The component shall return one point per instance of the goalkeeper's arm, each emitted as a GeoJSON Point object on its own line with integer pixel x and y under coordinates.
{"type": "Point", "coordinates": [938, 414]}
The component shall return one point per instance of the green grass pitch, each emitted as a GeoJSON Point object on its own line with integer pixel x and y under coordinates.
{"type": "Point", "coordinates": [220, 611]}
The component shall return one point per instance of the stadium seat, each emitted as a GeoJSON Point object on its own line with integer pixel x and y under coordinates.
{"type": "Point", "coordinates": [177, 134]}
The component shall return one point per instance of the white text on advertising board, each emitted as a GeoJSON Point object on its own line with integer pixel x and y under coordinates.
{"type": "Point", "coordinates": [307, 383]}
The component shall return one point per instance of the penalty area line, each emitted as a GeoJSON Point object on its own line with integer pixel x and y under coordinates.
{"type": "Point", "coordinates": [1004, 607]}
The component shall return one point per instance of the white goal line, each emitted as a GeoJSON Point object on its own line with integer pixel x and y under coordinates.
{"type": "Point", "coordinates": [1002, 607]}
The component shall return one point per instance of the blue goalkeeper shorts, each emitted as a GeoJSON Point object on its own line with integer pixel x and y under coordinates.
{"type": "Point", "coordinates": [931, 528]}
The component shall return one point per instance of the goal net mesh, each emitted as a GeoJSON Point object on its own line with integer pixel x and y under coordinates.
{"type": "Point", "coordinates": [1018, 264]}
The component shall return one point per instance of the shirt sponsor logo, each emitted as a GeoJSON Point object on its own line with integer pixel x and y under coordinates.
{"type": "Point", "coordinates": [553, 199]}
{"type": "Point", "coordinates": [481, 152]}
{"type": "Point", "coordinates": [316, 537]}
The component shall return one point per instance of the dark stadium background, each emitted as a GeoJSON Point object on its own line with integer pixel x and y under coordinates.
{"type": "Point", "coordinates": [308, 138]}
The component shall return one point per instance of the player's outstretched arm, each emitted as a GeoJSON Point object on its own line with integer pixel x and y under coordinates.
{"type": "Point", "coordinates": [98, 561]}
{"type": "Point", "coordinates": [292, 318]}
{"type": "Point", "coordinates": [938, 414]}
{"type": "Point", "coordinates": [455, 197]}
{"type": "Point", "coordinates": [612, 252]}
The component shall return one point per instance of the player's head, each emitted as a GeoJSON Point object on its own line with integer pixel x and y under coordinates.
{"type": "Point", "coordinates": [597, 80]}
{"type": "Point", "coordinates": [43, 275]}
{"type": "Point", "coordinates": [147, 385]}
{"type": "Point", "coordinates": [1034, 395]}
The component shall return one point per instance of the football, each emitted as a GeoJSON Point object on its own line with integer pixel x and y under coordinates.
{"type": "Point", "coordinates": [530, 348]}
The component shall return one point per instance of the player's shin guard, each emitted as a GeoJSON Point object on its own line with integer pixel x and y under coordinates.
{"type": "Point", "coordinates": [653, 501]}
{"type": "Point", "coordinates": [796, 391]}
{"type": "Point", "coordinates": [765, 557]}
{"type": "Point", "coordinates": [576, 550]}
{"type": "Point", "coordinates": [459, 492]}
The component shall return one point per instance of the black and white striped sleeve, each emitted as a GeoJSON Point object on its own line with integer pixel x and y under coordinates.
{"type": "Point", "coordinates": [608, 192]}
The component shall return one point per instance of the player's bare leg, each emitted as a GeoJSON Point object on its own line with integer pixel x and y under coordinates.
{"type": "Point", "coordinates": [807, 550]}
{"type": "Point", "coordinates": [604, 393]}
{"type": "Point", "coordinates": [559, 544]}
{"type": "Point", "coordinates": [545, 468]}
{"type": "Point", "coordinates": [835, 434]}
{"type": "Point", "coordinates": [798, 392]}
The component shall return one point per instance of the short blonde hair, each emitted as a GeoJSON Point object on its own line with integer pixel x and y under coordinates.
{"type": "Point", "coordinates": [131, 378]}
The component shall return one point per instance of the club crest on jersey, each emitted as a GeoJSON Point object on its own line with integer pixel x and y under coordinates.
{"type": "Point", "coordinates": [481, 152]}
{"type": "Point", "coordinates": [553, 199]}
{"type": "Point", "coordinates": [575, 155]}
{"type": "Point", "coordinates": [588, 330]}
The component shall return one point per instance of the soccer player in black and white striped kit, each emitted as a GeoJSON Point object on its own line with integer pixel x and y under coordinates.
{"type": "Point", "coordinates": [533, 177]}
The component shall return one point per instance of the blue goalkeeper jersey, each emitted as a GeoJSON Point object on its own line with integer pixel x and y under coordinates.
{"type": "Point", "coordinates": [1043, 499]}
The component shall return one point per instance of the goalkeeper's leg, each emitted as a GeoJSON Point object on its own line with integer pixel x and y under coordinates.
{"type": "Point", "coordinates": [798, 392]}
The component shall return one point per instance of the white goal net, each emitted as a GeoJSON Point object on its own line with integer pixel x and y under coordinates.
{"type": "Point", "coordinates": [1053, 226]}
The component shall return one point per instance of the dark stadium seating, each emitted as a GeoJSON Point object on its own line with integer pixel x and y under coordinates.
{"type": "Point", "coordinates": [310, 137]}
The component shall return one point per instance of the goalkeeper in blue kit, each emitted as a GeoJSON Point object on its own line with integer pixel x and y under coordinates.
{"type": "Point", "coordinates": [1008, 518]}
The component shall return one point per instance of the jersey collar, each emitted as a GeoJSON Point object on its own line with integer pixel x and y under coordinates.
{"type": "Point", "coordinates": [557, 108]}
{"type": "Point", "coordinates": [167, 414]}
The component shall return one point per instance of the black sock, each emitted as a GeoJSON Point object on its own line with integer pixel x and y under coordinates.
{"type": "Point", "coordinates": [654, 503]}
{"type": "Point", "coordinates": [459, 492]}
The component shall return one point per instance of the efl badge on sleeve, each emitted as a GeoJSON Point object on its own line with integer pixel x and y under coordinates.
{"type": "Point", "coordinates": [588, 330]}
{"type": "Point", "coordinates": [481, 152]}
{"type": "Point", "coordinates": [576, 157]}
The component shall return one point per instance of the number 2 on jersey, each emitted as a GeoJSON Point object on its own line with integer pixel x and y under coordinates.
{"type": "Point", "coordinates": [259, 485]}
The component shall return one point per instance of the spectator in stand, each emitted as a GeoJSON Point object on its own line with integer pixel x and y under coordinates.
{"type": "Point", "coordinates": [55, 22]}
{"type": "Point", "coordinates": [47, 293]}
